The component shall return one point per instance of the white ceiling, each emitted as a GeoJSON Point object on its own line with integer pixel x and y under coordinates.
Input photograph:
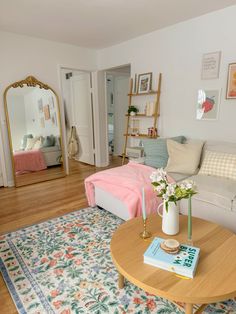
{"type": "Point", "coordinates": [98, 23]}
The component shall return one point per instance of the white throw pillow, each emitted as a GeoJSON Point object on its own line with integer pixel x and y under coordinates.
{"type": "Point", "coordinates": [219, 164]}
{"type": "Point", "coordinates": [30, 143]}
{"type": "Point", "coordinates": [38, 144]}
{"type": "Point", "coordinates": [183, 158]}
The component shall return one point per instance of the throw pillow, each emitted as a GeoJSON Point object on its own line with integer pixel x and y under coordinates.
{"type": "Point", "coordinates": [24, 140]}
{"type": "Point", "coordinates": [156, 154]}
{"type": "Point", "coordinates": [219, 164]}
{"type": "Point", "coordinates": [30, 143]}
{"type": "Point", "coordinates": [38, 144]}
{"type": "Point", "coordinates": [49, 141]}
{"type": "Point", "coordinates": [183, 158]}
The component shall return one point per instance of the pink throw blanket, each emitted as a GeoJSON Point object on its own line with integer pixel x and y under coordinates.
{"type": "Point", "coordinates": [27, 161]}
{"type": "Point", "coordinates": [125, 183]}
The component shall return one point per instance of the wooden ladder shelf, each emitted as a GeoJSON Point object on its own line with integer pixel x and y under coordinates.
{"type": "Point", "coordinates": [154, 116]}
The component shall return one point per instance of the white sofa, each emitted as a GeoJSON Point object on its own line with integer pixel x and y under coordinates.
{"type": "Point", "coordinates": [216, 198]}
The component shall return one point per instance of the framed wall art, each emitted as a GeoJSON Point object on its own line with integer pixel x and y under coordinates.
{"type": "Point", "coordinates": [40, 105]}
{"type": "Point", "coordinates": [231, 82]}
{"type": "Point", "coordinates": [211, 65]}
{"type": "Point", "coordinates": [144, 83]}
{"type": "Point", "coordinates": [208, 104]}
{"type": "Point", "coordinates": [46, 111]}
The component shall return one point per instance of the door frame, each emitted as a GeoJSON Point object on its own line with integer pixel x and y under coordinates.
{"type": "Point", "coordinates": [112, 71]}
{"type": "Point", "coordinates": [2, 161]}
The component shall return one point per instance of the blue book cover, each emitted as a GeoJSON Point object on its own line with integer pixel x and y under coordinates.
{"type": "Point", "coordinates": [183, 263]}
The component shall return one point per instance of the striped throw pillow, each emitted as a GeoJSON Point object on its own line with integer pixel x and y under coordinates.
{"type": "Point", "coordinates": [219, 164]}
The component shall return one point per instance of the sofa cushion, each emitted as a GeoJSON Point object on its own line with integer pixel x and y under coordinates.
{"type": "Point", "coordinates": [178, 176]}
{"type": "Point", "coordinates": [219, 164]}
{"type": "Point", "coordinates": [214, 190]}
{"type": "Point", "coordinates": [183, 158]}
{"type": "Point", "coordinates": [156, 154]}
{"type": "Point", "coordinates": [24, 140]}
{"type": "Point", "coordinates": [49, 141]}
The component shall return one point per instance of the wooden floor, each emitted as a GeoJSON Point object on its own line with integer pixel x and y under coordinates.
{"type": "Point", "coordinates": [31, 204]}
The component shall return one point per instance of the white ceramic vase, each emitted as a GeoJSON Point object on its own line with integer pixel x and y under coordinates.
{"type": "Point", "coordinates": [132, 113]}
{"type": "Point", "coordinates": [170, 217]}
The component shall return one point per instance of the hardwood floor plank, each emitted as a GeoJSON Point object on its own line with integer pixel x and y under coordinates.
{"type": "Point", "coordinates": [27, 205]}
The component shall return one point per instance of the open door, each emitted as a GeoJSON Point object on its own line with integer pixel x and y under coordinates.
{"type": "Point", "coordinates": [82, 116]}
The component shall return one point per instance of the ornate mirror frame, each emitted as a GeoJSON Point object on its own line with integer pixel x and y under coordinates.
{"type": "Point", "coordinates": [31, 81]}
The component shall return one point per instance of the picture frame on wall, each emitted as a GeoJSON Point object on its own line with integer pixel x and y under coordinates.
{"type": "Point", "coordinates": [208, 104]}
{"type": "Point", "coordinates": [46, 111]}
{"type": "Point", "coordinates": [211, 65]}
{"type": "Point", "coordinates": [231, 82]}
{"type": "Point", "coordinates": [144, 83]}
{"type": "Point", "coordinates": [40, 105]}
{"type": "Point", "coordinates": [42, 122]}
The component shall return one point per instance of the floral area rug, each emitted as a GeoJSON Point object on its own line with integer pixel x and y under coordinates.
{"type": "Point", "coordinates": [64, 266]}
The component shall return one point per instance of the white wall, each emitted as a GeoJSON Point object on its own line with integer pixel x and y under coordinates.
{"type": "Point", "coordinates": [21, 56]}
{"type": "Point", "coordinates": [177, 51]}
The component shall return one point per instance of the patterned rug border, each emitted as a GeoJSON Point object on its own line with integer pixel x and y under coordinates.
{"type": "Point", "coordinates": [11, 289]}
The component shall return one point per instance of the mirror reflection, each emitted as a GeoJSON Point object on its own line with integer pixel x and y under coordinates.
{"type": "Point", "coordinates": [33, 117]}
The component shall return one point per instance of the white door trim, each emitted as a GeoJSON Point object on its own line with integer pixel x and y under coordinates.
{"type": "Point", "coordinates": [2, 155]}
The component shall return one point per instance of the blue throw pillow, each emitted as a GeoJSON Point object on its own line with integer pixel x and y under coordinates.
{"type": "Point", "coordinates": [156, 154]}
{"type": "Point", "coordinates": [24, 140]}
{"type": "Point", "coordinates": [49, 141]}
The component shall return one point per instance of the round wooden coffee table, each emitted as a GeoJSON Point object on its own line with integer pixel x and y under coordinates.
{"type": "Point", "coordinates": [215, 278]}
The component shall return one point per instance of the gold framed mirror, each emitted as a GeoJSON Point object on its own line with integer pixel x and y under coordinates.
{"type": "Point", "coordinates": [34, 131]}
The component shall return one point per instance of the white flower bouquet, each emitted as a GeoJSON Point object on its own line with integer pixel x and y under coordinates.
{"type": "Point", "coordinates": [171, 192]}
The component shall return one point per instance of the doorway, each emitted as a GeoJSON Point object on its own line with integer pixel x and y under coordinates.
{"type": "Point", "coordinates": [78, 106]}
{"type": "Point", "coordinates": [117, 88]}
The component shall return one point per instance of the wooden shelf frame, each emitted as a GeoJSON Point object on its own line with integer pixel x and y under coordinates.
{"type": "Point", "coordinates": [154, 116]}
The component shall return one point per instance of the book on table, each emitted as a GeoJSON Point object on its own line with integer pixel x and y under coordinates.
{"type": "Point", "coordinates": [183, 263]}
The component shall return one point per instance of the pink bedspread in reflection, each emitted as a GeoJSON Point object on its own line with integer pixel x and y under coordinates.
{"type": "Point", "coordinates": [28, 161]}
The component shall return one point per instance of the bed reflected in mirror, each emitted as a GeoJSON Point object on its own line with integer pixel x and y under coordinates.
{"type": "Point", "coordinates": [33, 119]}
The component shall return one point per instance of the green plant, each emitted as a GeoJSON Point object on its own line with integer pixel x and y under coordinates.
{"type": "Point", "coordinates": [132, 109]}
{"type": "Point", "coordinates": [171, 192]}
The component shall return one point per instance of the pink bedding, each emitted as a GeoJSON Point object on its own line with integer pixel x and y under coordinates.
{"type": "Point", "coordinates": [28, 161]}
{"type": "Point", "coordinates": [125, 183]}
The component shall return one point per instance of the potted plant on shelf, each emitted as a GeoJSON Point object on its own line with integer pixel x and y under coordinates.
{"type": "Point", "coordinates": [132, 110]}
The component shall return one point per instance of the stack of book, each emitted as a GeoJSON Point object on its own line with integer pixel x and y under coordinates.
{"type": "Point", "coordinates": [183, 263]}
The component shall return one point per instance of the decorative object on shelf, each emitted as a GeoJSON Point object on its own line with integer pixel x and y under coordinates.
{"type": "Point", "coordinates": [145, 234]}
{"type": "Point", "coordinates": [155, 116]}
{"type": "Point", "coordinates": [231, 83]}
{"type": "Point", "coordinates": [171, 193]}
{"type": "Point", "coordinates": [144, 82]}
{"type": "Point", "coordinates": [134, 127]}
{"type": "Point", "coordinates": [152, 132]}
{"type": "Point", "coordinates": [132, 110]}
{"type": "Point", "coordinates": [207, 104]}
{"type": "Point", "coordinates": [211, 65]}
